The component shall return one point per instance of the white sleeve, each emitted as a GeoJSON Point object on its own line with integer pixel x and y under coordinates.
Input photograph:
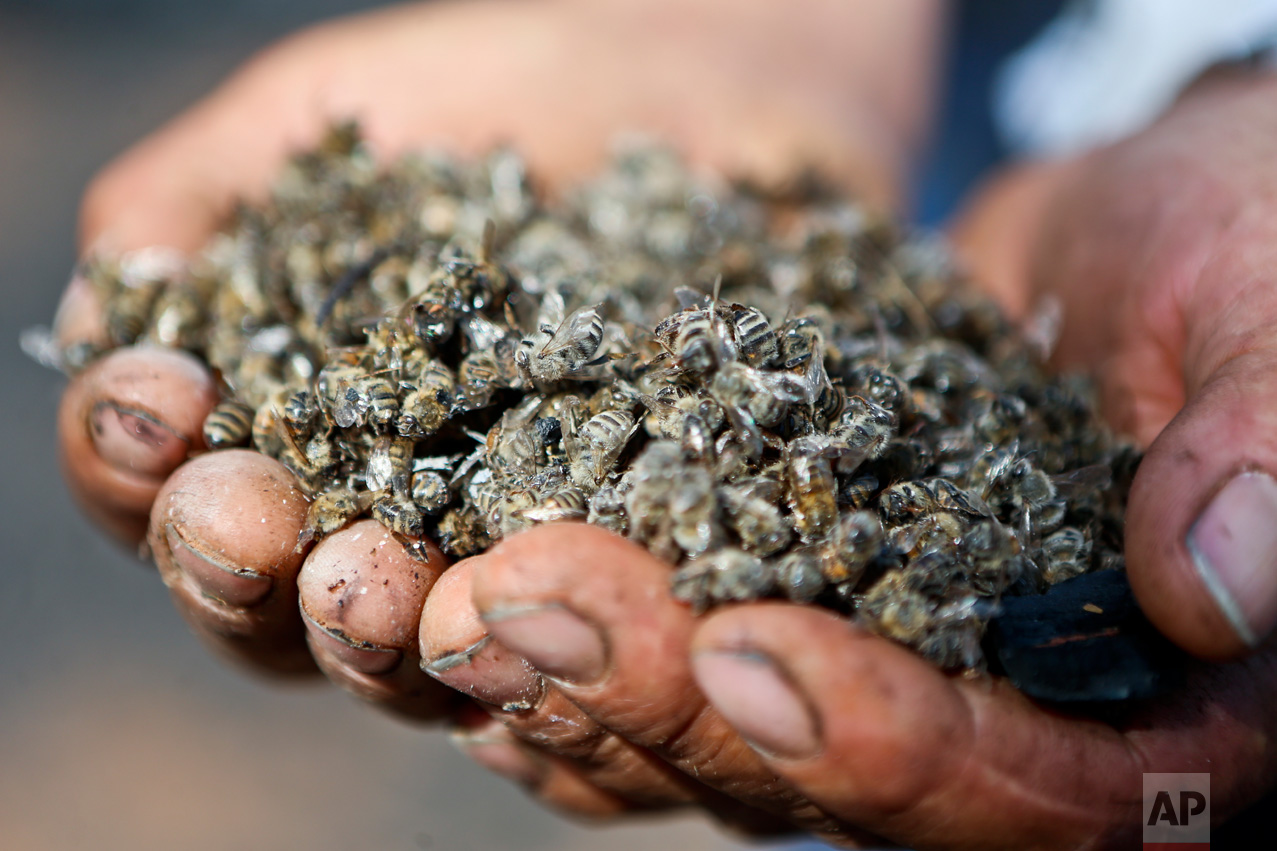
{"type": "Point", "coordinates": [1106, 68]}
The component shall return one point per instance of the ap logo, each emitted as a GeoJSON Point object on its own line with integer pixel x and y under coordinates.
{"type": "Point", "coordinates": [1176, 812]}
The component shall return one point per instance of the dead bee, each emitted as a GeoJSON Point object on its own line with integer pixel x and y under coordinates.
{"type": "Point", "coordinates": [855, 543]}
{"type": "Point", "coordinates": [390, 464]}
{"type": "Point", "coordinates": [994, 556]}
{"type": "Point", "coordinates": [300, 412]}
{"type": "Point", "coordinates": [698, 439]}
{"type": "Point", "coordinates": [178, 320]}
{"type": "Point", "coordinates": [799, 576]}
{"type": "Point", "coordinates": [229, 424]}
{"type": "Point", "coordinates": [329, 512]}
{"type": "Point", "coordinates": [141, 278]}
{"type": "Point", "coordinates": [753, 397]}
{"type": "Point", "coordinates": [1065, 554]}
{"type": "Point", "coordinates": [672, 505]}
{"type": "Point", "coordinates": [400, 515]}
{"type": "Point", "coordinates": [813, 498]}
{"type": "Point", "coordinates": [593, 449]}
{"type": "Point", "coordinates": [858, 492]}
{"type": "Point", "coordinates": [377, 396]}
{"type": "Point", "coordinates": [866, 427]}
{"type": "Point", "coordinates": [563, 351]}
{"type": "Point", "coordinates": [696, 339]}
{"type": "Point", "coordinates": [724, 575]}
{"type": "Point", "coordinates": [430, 491]}
{"type": "Point", "coordinates": [797, 344]}
{"type": "Point", "coordinates": [337, 390]}
{"type": "Point", "coordinates": [905, 500]}
{"type": "Point", "coordinates": [880, 387]}
{"type": "Point", "coordinates": [460, 286]}
{"type": "Point", "coordinates": [758, 522]}
{"type": "Point", "coordinates": [946, 628]}
{"type": "Point", "coordinates": [558, 507]}
{"type": "Point", "coordinates": [671, 405]}
{"type": "Point", "coordinates": [478, 379]}
{"type": "Point", "coordinates": [607, 509]}
{"type": "Point", "coordinates": [755, 338]}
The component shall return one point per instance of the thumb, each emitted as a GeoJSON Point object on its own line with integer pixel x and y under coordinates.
{"type": "Point", "coordinates": [1201, 534]}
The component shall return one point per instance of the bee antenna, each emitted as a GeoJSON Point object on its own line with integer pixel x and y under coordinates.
{"type": "Point", "coordinates": [347, 281]}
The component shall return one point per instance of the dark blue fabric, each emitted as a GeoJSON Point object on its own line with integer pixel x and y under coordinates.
{"type": "Point", "coordinates": [965, 144]}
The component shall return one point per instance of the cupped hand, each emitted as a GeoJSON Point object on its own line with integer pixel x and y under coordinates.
{"type": "Point", "coordinates": [560, 79]}
{"type": "Point", "coordinates": [1161, 251]}
{"type": "Point", "coordinates": [602, 682]}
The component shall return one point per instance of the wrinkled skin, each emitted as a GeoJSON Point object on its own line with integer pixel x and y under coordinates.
{"type": "Point", "coordinates": [616, 700]}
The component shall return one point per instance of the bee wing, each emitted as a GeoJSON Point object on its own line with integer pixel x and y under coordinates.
{"type": "Point", "coordinates": [435, 463]}
{"type": "Point", "coordinates": [784, 385]}
{"type": "Point", "coordinates": [688, 297]}
{"type": "Point", "coordinates": [584, 323]}
{"type": "Point", "coordinates": [1096, 477]}
{"type": "Point", "coordinates": [482, 332]}
{"type": "Point", "coordinates": [553, 309]}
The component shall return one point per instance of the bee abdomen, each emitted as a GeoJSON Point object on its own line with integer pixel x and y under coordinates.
{"type": "Point", "coordinates": [229, 424]}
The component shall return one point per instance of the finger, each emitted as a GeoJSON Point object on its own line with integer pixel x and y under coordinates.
{"type": "Point", "coordinates": [1202, 519]}
{"type": "Point", "coordinates": [361, 599]}
{"type": "Point", "coordinates": [553, 782]}
{"type": "Point", "coordinates": [124, 424]}
{"type": "Point", "coordinates": [223, 532]}
{"type": "Point", "coordinates": [594, 612]}
{"type": "Point", "coordinates": [994, 234]}
{"type": "Point", "coordinates": [457, 650]}
{"type": "Point", "coordinates": [881, 739]}
{"type": "Point", "coordinates": [79, 316]}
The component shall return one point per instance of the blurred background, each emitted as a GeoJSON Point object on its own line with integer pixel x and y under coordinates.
{"type": "Point", "coordinates": [117, 730]}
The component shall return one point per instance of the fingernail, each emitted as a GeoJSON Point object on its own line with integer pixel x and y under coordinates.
{"type": "Point", "coordinates": [555, 641]}
{"type": "Point", "coordinates": [489, 672]}
{"type": "Point", "coordinates": [134, 440]}
{"type": "Point", "coordinates": [1234, 547]}
{"type": "Point", "coordinates": [501, 757]}
{"type": "Point", "coordinates": [216, 578]}
{"type": "Point", "coordinates": [79, 314]}
{"type": "Point", "coordinates": [362, 656]}
{"type": "Point", "coordinates": [760, 702]}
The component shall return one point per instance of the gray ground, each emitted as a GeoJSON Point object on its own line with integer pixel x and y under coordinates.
{"type": "Point", "coordinates": [117, 731]}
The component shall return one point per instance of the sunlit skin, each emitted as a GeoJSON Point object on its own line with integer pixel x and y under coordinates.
{"type": "Point", "coordinates": [618, 700]}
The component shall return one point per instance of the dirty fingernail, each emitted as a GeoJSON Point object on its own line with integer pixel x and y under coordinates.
{"type": "Point", "coordinates": [361, 656]}
{"type": "Point", "coordinates": [760, 702]}
{"type": "Point", "coordinates": [501, 757]}
{"type": "Point", "coordinates": [79, 314]}
{"type": "Point", "coordinates": [1234, 547]}
{"type": "Point", "coordinates": [216, 577]}
{"type": "Point", "coordinates": [489, 672]}
{"type": "Point", "coordinates": [555, 641]}
{"type": "Point", "coordinates": [135, 440]}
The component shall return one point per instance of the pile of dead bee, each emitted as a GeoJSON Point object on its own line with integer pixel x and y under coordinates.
{"type": "Point", "coordinates": [777, 393]}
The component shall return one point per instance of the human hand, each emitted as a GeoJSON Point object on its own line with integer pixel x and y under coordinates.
{"type": "Point", "coordinates": [560, 78]}
{"type": "Point", "coordinates": [1158, 249]}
